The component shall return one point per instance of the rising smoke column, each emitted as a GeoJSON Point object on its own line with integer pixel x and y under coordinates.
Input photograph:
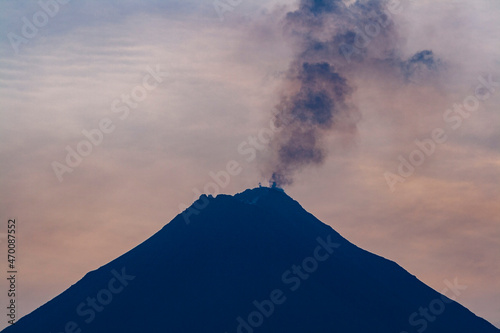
{"type": "Point", "coordinates": [304, 116]}
{"type": "Point", "coordinates": [333, 41]}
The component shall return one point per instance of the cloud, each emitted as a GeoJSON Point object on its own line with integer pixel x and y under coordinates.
{"type": "Point", "coordinates": [368, 102]}
{"type": "Point", "coordinates": [334, 43]}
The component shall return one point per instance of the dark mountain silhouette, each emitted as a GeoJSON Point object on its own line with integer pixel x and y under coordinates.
{"type": "Point", "coordinates": [253, 262]}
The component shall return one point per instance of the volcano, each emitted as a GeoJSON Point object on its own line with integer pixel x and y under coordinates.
{"type": "Point", "coordinates": [252, 262]}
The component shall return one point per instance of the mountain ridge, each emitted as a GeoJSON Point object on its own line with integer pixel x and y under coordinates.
{"type": "Point", "coordinates": [208, 275]}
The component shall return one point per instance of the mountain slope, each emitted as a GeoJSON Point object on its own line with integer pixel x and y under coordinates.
{"type": "Point", "coordinates": [253, 262]}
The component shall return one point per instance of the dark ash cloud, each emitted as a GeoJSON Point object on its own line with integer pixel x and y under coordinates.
{"type": "Point", "coordinates": [332, 42]}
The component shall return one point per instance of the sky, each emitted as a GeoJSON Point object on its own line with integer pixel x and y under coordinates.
{"type": "Point", "coordinates": [116, 115]}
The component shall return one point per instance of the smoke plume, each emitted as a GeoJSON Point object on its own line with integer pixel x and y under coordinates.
{"type": "Point", "coordinates": [332, 42]}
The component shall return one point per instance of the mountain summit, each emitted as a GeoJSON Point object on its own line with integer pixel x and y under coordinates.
{"type": "Point", "coordinates": [252, 262]}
